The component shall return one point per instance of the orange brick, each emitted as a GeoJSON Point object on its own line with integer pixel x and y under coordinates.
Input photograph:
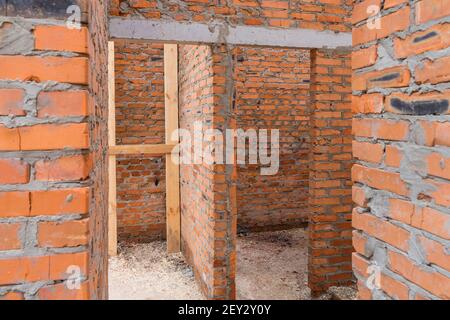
{"type": "Point", "coordinates": [14, 204]}
{"type": "Point", "coordinates": [275, 4]}
{"type": "Point", "coordinates": [434, 133]}
{"type": "Point", "coordinates": [392, 3]}
{"type": "Point", "coordinates": [393, 22]}
{"type": "Point", "coordinates": [364, 57]}
{"type": "Point", "coordinates": [435, 252]}
{"type": "Point", "coordinates": [359, 196]}
{"type": "Point", "coordinates": [361, 10]}
{"type": "Point", "coordinates": [388, 78]}
{"type": "Point", "coordinates": [434, 38]}
{"type": "Point", "coordinates": [419, 104]}
{"type": "Point", "coordinates": [381, 129]}
{"type": "Point", "coordinates": [427, 10]}
{"type": "Point", "coordinates": [433, 71]}
{"type": "Point", "coordinates": [381, 229]}
{"type": "Point", "coordinates": [393, 156]}
{"type": "Point", "coordinates": [60, 263]}
{"type": "Point", "coordinates": [441, 192]}
{"type": "Point", "coordinates": [367, 103]}
{"type": "Point", "coordinates": [40, 69]}
{"type": "Point", "coordinates": [72, 168]}
{"type": "Point", "coordinates": [12, 296]}
{"type": "Point", "coordinates": [438, 165]}
{"type": "Point", "coordinates": [54, 202]}
{"type": "Point", "coordinates": [14, 171]}
{"type": "Point", "coordinates": [395, 289]}
{"type": "Point", "coordinates": [51, 137]}
{"type": "Point", "coordinates": [61, 38]}
{"type": "Point", "coordinates": [23, 269]}
{"type": "Point", "coordinates": [62, 104]}
{"type": "Point", "coordinates": [371, 152]}
{"type": "Point", "coordinates": [360, 264]}
{"type": "Point", "coordinates": [9, 236]}
{"type": "Point", "coordinates": [432, 281]}
{"type": "Point", "coordinates": [63, 234]}
{"type": "Point", "coordinates": [62, 292]}
{"type": "Point", "coordinates": [11, 102]}
{"type": "Point", "coordinates": [9, 139]}
{"type": "Point", "coordinates": [363, 292]}
{"type": "Point", "coordinates": [380, 179]}
{"type": "Point", "coordinates": [359, 242]}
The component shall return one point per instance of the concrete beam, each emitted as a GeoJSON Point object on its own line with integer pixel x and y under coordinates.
{"type": "Point", "coordinates": [181, 32]}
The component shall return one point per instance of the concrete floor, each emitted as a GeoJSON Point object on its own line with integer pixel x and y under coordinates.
{"type": "Point", "coordinates": [271, 265]}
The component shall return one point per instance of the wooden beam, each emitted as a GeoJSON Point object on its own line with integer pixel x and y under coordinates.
{"type": "Point", "coordinates": [112, 201]}
{"type": "Point", "coordinates": [173, 219]}
{"type": "Point", "coordinates": [147, 149]}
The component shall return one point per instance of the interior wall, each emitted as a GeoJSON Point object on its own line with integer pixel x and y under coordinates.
{"type": "Point", "coordinates": [272, 92]}
{"type": "Point", "coordinates": [141, 203]}
{"type": "Point", "coordinates": [208, 196]}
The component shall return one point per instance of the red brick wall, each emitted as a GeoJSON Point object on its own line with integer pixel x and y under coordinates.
{"type": "Point", "coordinates": [402, 187]}
{"type": "Point", "coordinates": [207, 193]}
{"type": "Point", "coordinates": [321, 15]}
{"type": "Point", "coordinates": [140, 120]}
{"type": "Point", "coordinates": [330, 162]}
{"type": "Point", "coordinates": [272, 92]}
{"type": "Point", "coordinates": [51, 152]}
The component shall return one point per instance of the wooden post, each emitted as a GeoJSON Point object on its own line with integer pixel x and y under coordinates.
{"type": "Point", "coordinates": [173, 219]}
{"type": "Point", "coordinates": [112, 201]}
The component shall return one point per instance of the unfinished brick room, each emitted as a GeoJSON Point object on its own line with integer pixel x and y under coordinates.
{"type": "Point", "coordinates": [225, 149]}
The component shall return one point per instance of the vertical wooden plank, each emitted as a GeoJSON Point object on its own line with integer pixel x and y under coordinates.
{"type": "Point", "coordinates": [173, 219]}
{"type": "Point", "coordinates": [112, 206]}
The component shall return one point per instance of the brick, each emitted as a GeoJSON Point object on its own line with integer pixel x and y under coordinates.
{"type": "Point", "coordinates": [393, 3]}
{"type": "Point", "coordinates": [395, 77]}
{"type": "Point", "coordinates": [72, 168]}
{"type": "Point", "coordinates": [435, 252]}
{"type": "Point", "coordinates": [14, 171]}
{"type": "Point", "coordinates": [419, 104]}
{"type": "Point", "coordinates": [362, 10]}
{"type": "Point", "coordinates": [434, 133]}
{"type": "Point", "coordinates": [61, 38]}
{"type": "Point", "coordinates": [396, 130]}
{"type": "Point", "coordinates": [60, 263]}
{"type": "Point", "coordinates": [441, 192]}
{"type": "Point", "coordinates": [359, 242]}
{"type": "Point", "coordinates": [9, 236]}
{"type": "Point", "coordinates": [363, 292]}
{"type": "Point", "coordinates": [23, 269]}
{"type": "Point", "coordinates": [9, 139]}
{"type": "Point", "coordinates": [381, 229]}
{"type": "Point", "coordinates": [63, 234]}
{"type": "Point", "coordinates": [52, 136]}
{"type": "Point", "coordinates": [427, 10]}
{"type": "Point", "coordinates": [360, 264]}
{"type": "Point", "coordinates": [364, 57]}
{"type": "Point", "coordinates": [13, 295]}
{"type": "Point", "coordinates": [380, 179]}
{"type": "Point", "coordinates": [40, 69]}
{"type": "Point", "coordinates": [427, 219]}
{"type": "Point", "coordinates": [371, 152]}
{"type": "Point", "coordinates": [393, 22]}
{"type": "Point", "coordinates": [433, 71]}
{"type": "Point", "coordinates": [438, 165]}
{"type": "Point", "coordinates": [57, 202]}
{"type": "Point", "coordinates": [434, 38]}
{"type": "Point", "coordinates": [394, 156]}
{"type": "Point", "coordinates": [368, 103]}
{"type": "Point", "coordinates": [14, 204]}
{"type": "Point", "coordinates": [11, 102]}
{"type": "Point", "coordinates": [62, 104]}
{"type": "Point", "coordinates": [427, 278]}
{"type": "Point", "coordinates": [394, 288]}
{"type": "Point", "coordinates": [359, 196]}
{"type": "Point", "coordinates": [62, 292]}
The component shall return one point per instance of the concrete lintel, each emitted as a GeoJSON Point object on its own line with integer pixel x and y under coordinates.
{"type": "Point", "coordinates": [180, 32]}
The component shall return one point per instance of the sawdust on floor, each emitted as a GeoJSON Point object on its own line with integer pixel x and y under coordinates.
{"type": "Point", "coordinates": [271, 265]}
